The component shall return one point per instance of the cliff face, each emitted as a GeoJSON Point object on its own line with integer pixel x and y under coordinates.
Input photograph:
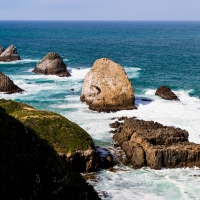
{"type": "Point", "coordinates": [31, 169]}
{"type": "Point", "coordinates": [107, 88]}
{"type": "Point", "coordinates": [68, 139]}
{"type": "Point", "coordinates": [148, 143]}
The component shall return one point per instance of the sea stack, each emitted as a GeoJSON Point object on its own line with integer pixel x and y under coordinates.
{"type": "Point", "coordinates": [7, 85]}
{"type": "Point", "coordinates": [165, 93]}
{"type": "Point", "coordinates": [10, 54]}
{"type": "Point", "coordinates": [107, 88]}
{"type": "Point", "coordinates": [52, 64]}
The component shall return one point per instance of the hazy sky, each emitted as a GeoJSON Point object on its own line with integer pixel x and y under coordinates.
{"type": "Point", "coordinates": [100, 10]}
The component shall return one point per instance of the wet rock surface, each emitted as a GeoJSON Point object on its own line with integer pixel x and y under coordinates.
{"type": "Point", "coordinates": [7, 85]}
{"type": "Point", "coordinates": [148, 143]}
{"type": "Point", "coordinates": [106, 158]}
{"type": "Point", "coordinates": [10, 54]}
{"type": "Point", "coordinates": [107, 88]}
{"type": "Point", "coordinates": [52, 64]}
{"type": "Point", "coordinates": [165, 93]}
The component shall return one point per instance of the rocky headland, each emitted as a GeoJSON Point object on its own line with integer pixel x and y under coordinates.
{"type": "Point", "coordinates": [52, 64]}
{"type": "Point", "coordinates": [7, 85]}
{"type": "Point", "coordinates": [10, 54]}
{"type": "Point", "coordinates": [107, 88]}
{"type": "Point", "coordinates": [148, 143]}
{"type": "Point", "coordinates": [166, 93]}
{"type": "Point", "coordinates": [30, 168]}
{"type": "Point", "coordinates": [71, 142]}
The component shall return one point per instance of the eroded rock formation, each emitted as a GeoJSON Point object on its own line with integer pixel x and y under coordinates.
{"type": "Point", "coordinates": [166, 93]}
{"type": "Point", "coordinates": [107, 88]}
{"type": "Point", "coordinates": [10, 54]}
{"type": "Point", "coordinates": [148, 143]}
{"type": "Point", "coordinates": [7, 85]}
{"type": "Point", "coordinates": [52, 64]}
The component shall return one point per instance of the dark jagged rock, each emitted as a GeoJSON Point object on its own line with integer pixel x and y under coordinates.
{"type": "Point", "coordinates": [106, 159]}
{"type": "Point", "coordinates": [166, 93]}
{"type": "Point", "coordinates": [106, 87]}
{"type": "Point", "coordinates": [52, 64]}
{"type": "Point", "coordinates": [10, 54]}
{"type": "Point", "coordinates": [31, 169]}
{"type": "Point", "coordinates": [7, 86]}
{"type": "Point", "coordinates": [71, 142]}
{"type": "Point", "coordinates": [1, 50]}
{"type": "Point", "coordinates": [148, 143]}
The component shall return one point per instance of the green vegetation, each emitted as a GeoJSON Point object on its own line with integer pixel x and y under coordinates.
{"type": "Point", "coordinates": [30, 168]}
{"type": "Point", "coordinates": [66, 136]}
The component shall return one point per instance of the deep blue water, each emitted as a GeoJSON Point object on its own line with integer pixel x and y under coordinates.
{"type": "Point", "coordinates": [168, 53]}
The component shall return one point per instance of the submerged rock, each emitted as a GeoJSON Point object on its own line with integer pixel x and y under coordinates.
{"type": "Point", "coordinates": [7, 86]}
{"type": "Point", "coordinates": [10, 54]}
{"type": "Point", "coordinates": [107, 88]}
{"type": "Point", "coordinates": [166, 93]}
{"type": "Point", "coordinates": [148, 143]}
{"type": "Point", "coordinates": [31, 169]}
{"type": "Point", "coordinates": [1, 50]}
{"type": "Point", "coordinates": [72, 143]}
{"type": "Point", "coordinates": [52, 64]}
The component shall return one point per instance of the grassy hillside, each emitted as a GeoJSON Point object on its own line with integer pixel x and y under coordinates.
{"type": "Point", "coordinates": [30, 168]}
{"type": "Point", "coordinates": [66, 136]}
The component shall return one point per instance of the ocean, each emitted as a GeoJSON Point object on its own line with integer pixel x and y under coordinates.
{"type": "Point", "coordinates": [152, 53]}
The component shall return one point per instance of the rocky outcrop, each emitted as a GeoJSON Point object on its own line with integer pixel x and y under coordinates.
{"type": "Point", "coordinates": [166, 93]}
{"type": "Point", "coordinates": [73, 143]}
{"type": "Point", "coordinates": [148, 143]}
{"type": "Point", "coordinates": [7, 86]}
{"type": "Point", "coordinates": [10, 54]}
{"type": "Point", "coordinates": [1, 50]}
{"type": "Point", "coordinates": [52, 64]}
{"type": "Point", "coordinates": [31, 169]}
{"type": "Point", "coordinates": [107, 88]}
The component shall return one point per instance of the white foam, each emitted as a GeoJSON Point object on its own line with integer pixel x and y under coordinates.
{"type": "Point", "coordinates": [133, 72]}
{"type": "Point", "coordinates": [20, 61]}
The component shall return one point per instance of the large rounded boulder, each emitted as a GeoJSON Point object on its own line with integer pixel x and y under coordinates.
{"type": "Point", "coordinates": [166, 93]}
{"type": "Point", "coordinates": [107, 88]}
{"type": "Point", "coordinates": [10, 54]}
{"type": "Point", "coordinates": [52, 64]}
{"type": "Point", "coordinates": [7, 85]}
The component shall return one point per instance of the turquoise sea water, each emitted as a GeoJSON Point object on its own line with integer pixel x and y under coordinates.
{"type": "Point", "coordinates": [152, 53]}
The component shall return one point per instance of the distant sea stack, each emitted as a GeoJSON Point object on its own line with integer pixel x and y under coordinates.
{"type": "Point", "coordinates": [7, 85]}
{"type": "Point", "coordinates": [165, 93]}
{"type": "Point", "coordinates": [52, 64]}
{"type": "Point", "coordinates": [10, 54]}
{"type": "Point", "coordinates": [107, 88]}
